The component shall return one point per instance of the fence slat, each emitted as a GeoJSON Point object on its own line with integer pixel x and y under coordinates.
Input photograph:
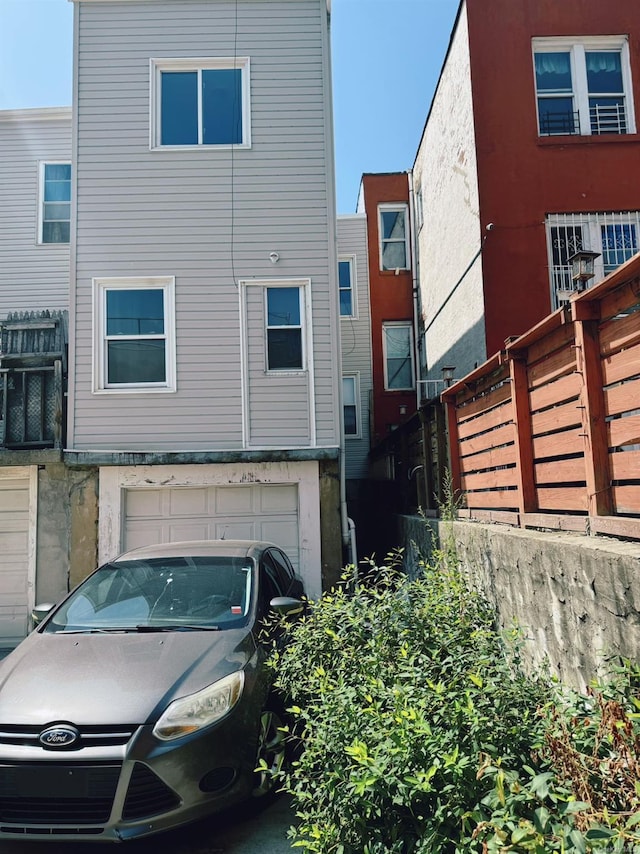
{"type": "Point", "coordinates": [559, 418]}
{"type": "Point", "coordinates": [624, 431]}
{"type": "Point", "coordinates": [621, 366]}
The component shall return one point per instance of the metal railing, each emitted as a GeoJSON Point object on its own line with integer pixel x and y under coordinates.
{"type": "Point", "coordinates": [31, 407]}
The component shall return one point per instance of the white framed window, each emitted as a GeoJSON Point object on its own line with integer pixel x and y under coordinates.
{"type": "Point", "coordinates": [200, 103]}
{"type": "Point", "coordinates": [134, 334]}
{"type": "Point", "coordinates": [285, 328]}
{"type": "Point", "coordinates": [351, 407]}
{"type": "Point", "coordinates": [397, 347]}
{"type": "Point", "coordinates": [616, 236]}
{"type": "Point", "coordinates": [54, 202]}
{"type": "Point", "coordinates": [419, 207]}
{"type": "Point", "coordinates": [393, 230]}
{"type": "Point", "coordinates": [346, 285]}
{"type": "Point", "coordinates": [583, 85]}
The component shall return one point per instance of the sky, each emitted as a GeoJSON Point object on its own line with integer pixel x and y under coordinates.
{"type": "Point", "coordinates": [386, 58]}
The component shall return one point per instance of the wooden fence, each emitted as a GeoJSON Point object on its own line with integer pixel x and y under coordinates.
{"type": "Point", "coordinates": [547, 432]}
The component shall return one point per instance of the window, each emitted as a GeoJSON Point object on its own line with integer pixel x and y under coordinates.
{"type": "Point", "coordinates": [55, 203]}
{"type": "Point", "coordinates": [200, 102]}
{"type": "Point", "coordinates": [345, 284]}
{"type": "Point", "coordinates": [134, 347]}
{"type": "Point", "coordinates": [398, 356]}
{"type": "Point", "coordinates": [419, 208]}
{"type": "Point", "coordinates": [394, 244]}
{"type": "Point", "coordinates": [284, 329]}
{"type": "Point", "coordinates": [614, 235]}
{"type": "Point", "coordinates": [350, 404]}
{"type": "Point", "coordinates": [583, 87]}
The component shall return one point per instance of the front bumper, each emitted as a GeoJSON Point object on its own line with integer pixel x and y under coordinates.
{"type": "Point", "coordinates": [116, 792]}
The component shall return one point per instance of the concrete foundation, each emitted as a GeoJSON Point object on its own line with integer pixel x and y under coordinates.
{"type": "Point", "coordinates": [576, 598]}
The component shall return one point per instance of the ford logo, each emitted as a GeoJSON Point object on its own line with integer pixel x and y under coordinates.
{"type": "Point", "coordinates": [59, 736]}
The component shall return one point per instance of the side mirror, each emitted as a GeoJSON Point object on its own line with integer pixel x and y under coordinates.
{"type": "Point", "coordinates": [40, 612]}
{"type": "Point", "coordinates": [287, 606]}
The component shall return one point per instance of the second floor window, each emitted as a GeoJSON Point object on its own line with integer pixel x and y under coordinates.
{"type": "Point", "coordinates": [55, 203]}
{"type": "Point", "coordinates": [397, 344]}
{"type": "Point", "coordinates": [135, 336]}
{"type": "Point", "coordinates": [394, 237]}
{"type": "Point", "coordinates": [200, 103]}
{"type": "Point", "coordinates": [583, 87]}
{"type": "Point", "coordinates": [345, 284]}
{"type": "Point", "coordinates": [284, 329]}
{"type": "Point", "coordinates": [350, 404]}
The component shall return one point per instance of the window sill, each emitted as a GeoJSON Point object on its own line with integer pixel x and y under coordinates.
{"type": "Point", "coordinates": [203, 147]}
{"type": "Point", "coordinates": [588, 139]}
{"type": "Point", "coordinates": [138, 390]}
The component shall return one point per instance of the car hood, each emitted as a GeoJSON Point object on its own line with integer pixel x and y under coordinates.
{"type": "Point", "coordinates": [113, 678]}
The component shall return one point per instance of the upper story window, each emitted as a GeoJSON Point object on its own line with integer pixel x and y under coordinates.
{"type": "Point", "coordinates": [397, 345]}
{"type": "Point", "coordinates": [134, 348]}
{"type": "Point", "coordinates": [394, 237]}
{"type": "Point", "coordinates": [616, 236]}
{"type": "Point", "coordinates": [350, 405]}
{"type": "Point", "coordinates": [346, 286]}
{"type": "Point", "coordinates": [284, 313]}
{"type": "Point", "coordinates": [583, 86]}
{"type": "Point", "coordinates": [419, 209]}
{"type": "Point", "coordinates": [200, 102]}
{"type": "Point", "coordinates": [55, 203]}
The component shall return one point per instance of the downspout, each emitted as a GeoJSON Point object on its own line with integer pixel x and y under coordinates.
{"type": "Point", "coordinates": [415, 286]}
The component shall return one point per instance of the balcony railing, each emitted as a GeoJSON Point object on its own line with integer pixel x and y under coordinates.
{"type": "Point", "coordinates": [31, 407]}
{"type": "Point", "coordinates": [608, 118]}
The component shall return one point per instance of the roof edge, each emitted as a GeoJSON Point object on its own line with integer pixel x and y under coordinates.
{"type": "Point", "coordinates": [36, 113]}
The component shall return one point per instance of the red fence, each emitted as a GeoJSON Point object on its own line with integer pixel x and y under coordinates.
{"type": "Point", "coordinates": [547, 432]}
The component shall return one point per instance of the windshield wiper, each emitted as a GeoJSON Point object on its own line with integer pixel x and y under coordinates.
{"type": "Point", "coordinates": [178, 627]}
{"type": "Point", "coordinates": [89, 631]}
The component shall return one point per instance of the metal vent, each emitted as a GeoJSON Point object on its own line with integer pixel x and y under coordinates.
{"type": "Point", "coordinates": [147, 795]}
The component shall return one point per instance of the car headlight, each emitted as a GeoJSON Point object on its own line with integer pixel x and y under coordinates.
{"type": "Point", "coordinates": [189, 714]}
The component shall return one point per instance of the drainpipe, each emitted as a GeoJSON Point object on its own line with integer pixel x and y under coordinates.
{"type": "Point", "coordinates": [415, 286]}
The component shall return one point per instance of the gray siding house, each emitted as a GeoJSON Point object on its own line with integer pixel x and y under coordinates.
{"type": "Point", "coordinates": [169, 297]}
{"type": "Point", "coordinates": [204, 364]}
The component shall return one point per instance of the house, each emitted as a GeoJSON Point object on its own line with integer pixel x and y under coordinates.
{"type": "Point", "coordinates": [187, 223]}
{"type": "Point", "coordinates": [527, 156]}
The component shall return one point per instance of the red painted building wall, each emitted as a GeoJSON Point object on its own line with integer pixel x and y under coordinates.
{"type": "Point", "coordinates": [523, 176]}
{"type": "Point", "coordinates": [391, 298]}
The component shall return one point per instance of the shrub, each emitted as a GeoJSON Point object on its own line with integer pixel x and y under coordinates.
{"type": "Point", "coordinates": [398, 687]}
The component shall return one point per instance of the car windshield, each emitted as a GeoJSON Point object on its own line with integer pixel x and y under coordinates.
{"type": "Point", "coordinates": [160, 594]}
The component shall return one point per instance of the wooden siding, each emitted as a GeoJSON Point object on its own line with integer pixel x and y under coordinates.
{"type": "Point", "coordinates": [208, 217]}
{"type": "Point", "coordinates": [32, 277]}
{"type": "Point", "coordinates": [356, 339]}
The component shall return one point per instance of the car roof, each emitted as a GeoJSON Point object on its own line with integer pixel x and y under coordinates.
{"type": "Point", "coordinates": [197, 548]}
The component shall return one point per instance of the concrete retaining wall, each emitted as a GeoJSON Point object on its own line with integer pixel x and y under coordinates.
{"type": "Point", "coordinates": [576, 598]}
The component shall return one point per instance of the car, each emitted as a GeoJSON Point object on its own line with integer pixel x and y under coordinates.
{"type": "Point", "coordinates": [143, 701]}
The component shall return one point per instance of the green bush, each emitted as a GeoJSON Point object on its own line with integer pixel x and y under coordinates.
{"type": "Point", "coordinates": [417, 731]}
{"type": "Point", "coordinates": [398, 686]}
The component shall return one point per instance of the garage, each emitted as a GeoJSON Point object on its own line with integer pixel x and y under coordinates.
{"type": "Point", "coordinates": [15, 547]}
{"type": "Point", "coordinates": [246, 512]}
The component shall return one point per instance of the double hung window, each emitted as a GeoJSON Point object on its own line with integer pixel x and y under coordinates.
{"type": "Point", "coordinates": [397, 344]}
{"type": "Point", "coordinates": [583, 86]}
{"type": "Point", "coordinates": [200, 102]}
{"type": "Point", "coordinates": [284, 313]}
{"type": "Point", "coordinates": [394, 237]}
{"type": "Point", "coordinates": [350, 405]}
{"type": "Point", "coordinates": [345, 284]}
{"type": "Point", "coordinates": [134, 348]}
{"type": "Point", "coordinates": [55, 203]}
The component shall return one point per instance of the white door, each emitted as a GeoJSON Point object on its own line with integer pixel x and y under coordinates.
{"type": "Point", "coordinates": [241, 512]}
{"type": "Point", "coordinates": [14, 559]}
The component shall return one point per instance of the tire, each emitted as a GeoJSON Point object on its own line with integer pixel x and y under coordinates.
{"type": "Point", "coordinates": [271, 751]}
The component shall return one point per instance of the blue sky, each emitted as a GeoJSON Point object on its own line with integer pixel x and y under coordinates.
{"type": "Point", "coordinates": [386, 57]}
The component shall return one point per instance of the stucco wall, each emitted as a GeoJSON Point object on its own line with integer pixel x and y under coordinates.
{"type": "Point", "coordinates": [577, 598]}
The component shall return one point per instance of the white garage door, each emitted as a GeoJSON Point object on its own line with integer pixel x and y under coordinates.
{"type": "Point", "coordinates": [14, 560]}
{"type": "Point", "coordinates": [245, 512]}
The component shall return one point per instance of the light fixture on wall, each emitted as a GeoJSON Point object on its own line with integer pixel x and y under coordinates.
{"type": "Point", "coordinates": [274, 257]}
{"type": "Point", "coordinates": [447, 374]}
{"type": "Point", "coordinates": [582, 267]}
{"type": "Point", "coordinates": [403, 409]}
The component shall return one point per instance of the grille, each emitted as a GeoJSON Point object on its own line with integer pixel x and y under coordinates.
{"type": "Point", "coordinates": [147, 795]}
{"type": "Point", "coordinates": [90, 736]}
{"type": "Point", "coordinates": [60, 794]}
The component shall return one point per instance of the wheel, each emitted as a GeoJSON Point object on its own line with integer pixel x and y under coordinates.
{"type": "Point", "coordinates": [270, 755]}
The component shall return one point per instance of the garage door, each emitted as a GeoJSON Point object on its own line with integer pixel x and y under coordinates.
{"type": "Point", "coordinates": [14, 548]}
{"type": "Point", "coordinates": [246, 512]}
